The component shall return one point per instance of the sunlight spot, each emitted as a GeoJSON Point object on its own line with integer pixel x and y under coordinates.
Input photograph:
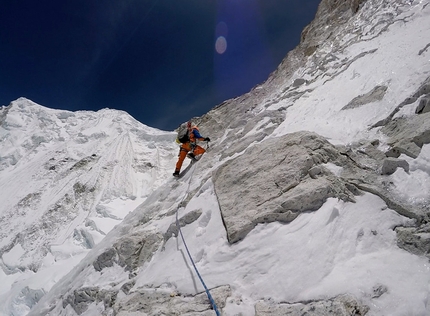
{"type": "Point", "coordinates": [221, 45]}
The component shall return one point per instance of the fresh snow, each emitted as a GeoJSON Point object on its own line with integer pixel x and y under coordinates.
{"type": "Point", "coordinates": [414, 186]}
{"type": "Point", "coordinates": [341, 248]}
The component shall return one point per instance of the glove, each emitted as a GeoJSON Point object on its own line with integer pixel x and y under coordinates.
{"type": "Point", "coordinates": [207, 139]}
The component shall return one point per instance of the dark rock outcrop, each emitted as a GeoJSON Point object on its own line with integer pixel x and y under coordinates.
{"type": "Point", "coordinates": [129, 251]}
{"type": "Point", "coordinates": [416, 240]}
{"type": "Point", "coordinates": [424, 105]}
{"type": "Point", "coordinates": [80, 299]}
{"type": "Point", "coordinates": [390, 165]}
{"type": "Point", "coordinates": [377, 94]}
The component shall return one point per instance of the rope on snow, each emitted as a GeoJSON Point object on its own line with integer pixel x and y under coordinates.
{"type": "Point", "coordinates": [211, 300]}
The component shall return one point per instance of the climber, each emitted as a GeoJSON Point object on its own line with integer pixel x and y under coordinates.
{"type": "Point", "coordinates": [189, 148]}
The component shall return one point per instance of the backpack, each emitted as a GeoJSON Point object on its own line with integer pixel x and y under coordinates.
{"type": "Point", "coordinates": [183, 134]}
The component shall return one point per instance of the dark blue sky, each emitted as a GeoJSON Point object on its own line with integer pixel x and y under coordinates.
{"type": "Point", "coordinates": [155, 59]}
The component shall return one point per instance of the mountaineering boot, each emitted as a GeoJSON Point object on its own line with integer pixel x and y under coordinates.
{"type": "Point", "coordinates": [191, 156]}
{"type": "Point", "coordinates": [176, 174]}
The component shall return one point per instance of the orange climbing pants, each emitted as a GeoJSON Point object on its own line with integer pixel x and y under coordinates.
{"type": "Point", "coordinates": [185, 148]}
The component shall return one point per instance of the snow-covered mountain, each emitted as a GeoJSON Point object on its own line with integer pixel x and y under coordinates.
{"type": "Point", "coordinates": [66, 180]}
{"type": "Point", "coordinates": [313, 197]}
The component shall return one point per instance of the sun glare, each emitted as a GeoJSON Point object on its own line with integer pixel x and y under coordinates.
{"type": "Point", "coordinates": [221, 45]}
{"type": "Point", "coordinates": [221, 33]}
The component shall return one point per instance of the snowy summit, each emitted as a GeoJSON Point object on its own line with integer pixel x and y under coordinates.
{"type": "Point", "coordinates": [312, 198]}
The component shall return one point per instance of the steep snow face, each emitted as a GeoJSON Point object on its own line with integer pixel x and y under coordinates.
{"type": "Point", "coordinates": [66, 179]}
{"type": "Point", "coordinates": [361, 72]}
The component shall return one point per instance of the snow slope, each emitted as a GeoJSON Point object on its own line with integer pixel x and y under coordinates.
{"type": "Point", "coordinates": [66, 180]}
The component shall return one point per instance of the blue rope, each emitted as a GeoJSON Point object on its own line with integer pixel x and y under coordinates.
{"type": "Point", "coordinates": [211, 300]}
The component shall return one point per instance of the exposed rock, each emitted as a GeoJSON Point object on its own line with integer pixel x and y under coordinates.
{"type": "Point", "coordinates": [365, 155]}
{"type": "Point", "coordinates": [377, 188]}
{"type": "Point", "coordinates": [105, 260]}
{"type": "Point", "coordinates": [407, 135]}
{"type": "Point", "coordinates": [424, 89]}
{"type": "Point", "coordinates": [187, 219]}
{"type": "Point", "coordinates": [164, 302]}
{"type": "Point", "coordinates": [275, 185]}
{"type": "Point", "coordinates": [314, 171]}
{"type": "Point", "coordinates": [137, 248]}
{"type": "Point", "coordinates": [342, 305]}
{"type": "Point", "coordinates": [377, 94]}
{"type": "Point", "coordinates": [80, 299]}
{"type": "Point", "coordinates": [336, 7]}
{"type": "Point", "coordinates": [356, 5]}
{"type": "Point", "coordinates": [4, 110]}
{"type": "Point", "coordinates": [298, 82]}
{"type": "Point", "coordinates": [423, 49]}
{"type": "Point", "coordinates": [126, 287]}
{"type": "Point", "coordinates": [379, 290]}
{"type": "Point", "coordinates": [404, 147]}
{"type": "Point", "coordinates": [416, 240]}
{"type": "Point", "coordinates": [83, 162]}
{"type": "Point", "coordinates": [424, 105]}
{"type": "Point", "coordinates": [129, 251]}
{"type": "Point", "coordinates": [364, 173]}
{"type": "Point", "coordinates": [29, 200]}
{"type": "Point", "coordinates": [390, 165]}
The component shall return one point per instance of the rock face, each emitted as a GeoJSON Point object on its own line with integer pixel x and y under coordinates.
{"type": "Point", "coordinates": [162, 302]}
{"type": "Point", "coordinates": [280, 178]}
{"type": "Point", "coordinates": [129, 252]}
{"type": "Point", "coordinates": [407, 135]}
{"type": "Point", "coordinates": [376, 94]}
{"type": "Point", "coordinates": [390, 165]}
{"type": "Point", "coordinates": [343, 305]}
{"type": "Point", "coordinates": [276, 181]}
{"type": "Point", "coordinates": [415, 239]}
{"type": "Point", "coordinates": [146, 302]}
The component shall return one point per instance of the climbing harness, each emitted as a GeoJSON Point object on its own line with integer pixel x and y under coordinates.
{"type": "Point", "coordinates": [211, 300]}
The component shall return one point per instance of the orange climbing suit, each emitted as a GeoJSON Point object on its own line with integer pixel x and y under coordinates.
{"type": "Point", "coordinates": [186, 147]}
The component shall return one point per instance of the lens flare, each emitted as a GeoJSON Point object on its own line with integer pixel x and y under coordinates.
{"type": "Point", "coordinates": [221, 45]}
{"type": "Point", "coordinates": [221, 32]}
